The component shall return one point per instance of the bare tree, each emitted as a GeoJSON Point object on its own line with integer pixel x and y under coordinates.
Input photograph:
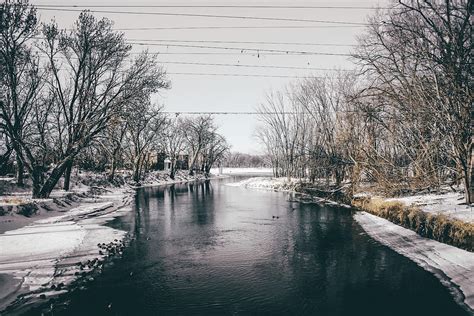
{"type": "Point", "coordinates": [197, 131]}
{"type": "Point", "coordinates": [419, 63]}
{"type": "Point", "coordinates": [145, 123]}
{"type": "Point", "coordinates": [215, 151]}
{"type": "Point", "coordinates": [19, 74]}
{"type": "Point", "coordinates": [174, 142]}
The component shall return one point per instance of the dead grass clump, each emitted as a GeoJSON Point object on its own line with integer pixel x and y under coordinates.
{"type": "Point", "coordinates": [434, 226]}
{"type": "Point", "coordinates": [13, 200]}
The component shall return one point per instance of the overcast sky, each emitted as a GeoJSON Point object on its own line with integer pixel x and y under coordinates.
{"type": "Point", "coordinates": [231, 93]}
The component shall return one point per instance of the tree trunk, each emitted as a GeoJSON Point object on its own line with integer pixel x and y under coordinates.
{"type": "Point", "coordinates": [53, 179]}
{"type": "Point", "coordinates": [20, 172]}
{"type": "Point", "coordinates": [67, 176]}
{"type": "Point", "coordinates": [37, 178]}
{"type": "Point", "coordinates": [469, 178]}
{"type": "Point", "coordinates": [172, 169]}
{"type": "Point", "coordinates": [136, 170]}
{"type": "Point", "coordinates": [112, 169]}
{"type": "Point", "coordinates": [193, 160]}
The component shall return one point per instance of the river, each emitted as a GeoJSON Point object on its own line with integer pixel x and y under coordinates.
{"type": "Point", "coordinates": [211, 249]}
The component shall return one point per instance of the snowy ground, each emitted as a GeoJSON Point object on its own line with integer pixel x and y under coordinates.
{"type": "Point", "coordinates": [453, 266]}
{"type": "Point", "coordinates": [450, 204]}
{"type": "Point", "coordinates": [283, 185]}
{"type": "Point", "coordinates": [262, 171]}
{"type": "Point", "coordinates": [268, 183]}
{"type": "Point", "coordinates": [45, 253]}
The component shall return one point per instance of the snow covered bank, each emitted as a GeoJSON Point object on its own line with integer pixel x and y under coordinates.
{"type": "Point", "coordinates": [267, 183]}
{"type": "Point", "coordinates": [451, 204]}
{"type": "Point", "coordinates": [453, 266]}
{"type": "Point", "coordinates": [284, 185]}
{"type": "Point", "coordinates": [43, 257]}
{"type": "Point", "coordinates": [237, 171]}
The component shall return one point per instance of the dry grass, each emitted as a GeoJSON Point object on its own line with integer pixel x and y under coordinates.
{"type": "Point", "coordinates": [12, 201]}
{"type": "Point", "coordinates": [434, 226]}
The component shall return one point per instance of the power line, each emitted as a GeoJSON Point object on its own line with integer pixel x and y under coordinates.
{"type": "Point", "coordinates": [236, 27]}
{"type": "Point", "coordinates": [236, 65]}
{"type": "Point", "coordinates": [238, 75]}
{"type": "Point", "coordinates": [207, 16]}
{"type": "Point", "coordinates": [241, 42]}
{"type": "Point", "coordinates": [215, 6]}
{"type": "Point", "coordinates": [177, 113]}
{"type": "Point", "coordinates": [242, 49]}
{"type": "Point", "coordinates": [248, 66]}
{"type": "Point", "coordinates": [255, 54]}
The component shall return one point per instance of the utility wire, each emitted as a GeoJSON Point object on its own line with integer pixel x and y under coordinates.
{"type": "Point", "coordinates": [177, 113]}
{"type": "Point", "coordinates": [213, 6]}
{"type": "Point", "coordinates": [240, 42]}
{"type": "Point", "coordinates": [207, 16]}
{"type": "Point", "coordinates": [236, 27]}
{"type": "Point", "coordinates": [232, 65]}
{"type": "Point", "coordinates": [238, 75]}
{"type": "Point", "coordinates": [242, 49]}
{"type": "Point", "coordinates": [248, 66]}
{"type": "Point", "coordinates": [223, 54]}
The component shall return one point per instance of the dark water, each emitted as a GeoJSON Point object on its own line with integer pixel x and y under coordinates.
{"type": "Point", "coordinates": [211, 249]}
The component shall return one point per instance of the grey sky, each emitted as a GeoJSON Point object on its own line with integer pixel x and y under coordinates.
{"type": "Point", "coordinates": [229, 93]}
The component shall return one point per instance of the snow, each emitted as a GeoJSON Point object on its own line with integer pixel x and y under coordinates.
{"type": "Point", "coordinates": [451, 204]}
{"type": "Point", "coordinates": [268, 171]}
{"type": "Point", "coordinates": [47, 251]}
{"type": "Point", "coordinates": [266, 183]}
{"type": "Point", "coordinates": [282, 185]}
{"type": "Point", "coordinates": [453, 266]}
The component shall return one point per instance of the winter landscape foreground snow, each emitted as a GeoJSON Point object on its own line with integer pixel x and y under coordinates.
{"type": "Point", "coordinates": [43, 257]}
{"type": "Point", "coordinates": [454, 267]}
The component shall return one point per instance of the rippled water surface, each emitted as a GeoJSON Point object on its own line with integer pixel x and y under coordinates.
{"type": "Point", "coordinates": [209, 249]}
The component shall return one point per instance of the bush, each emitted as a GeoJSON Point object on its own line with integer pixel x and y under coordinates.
{"type": "Point", "coordinates": [438, 227]}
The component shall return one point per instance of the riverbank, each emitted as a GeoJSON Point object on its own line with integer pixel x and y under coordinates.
{"type": "Point", "coordinates": [65, 240]}
{"type": "Point", "coordinates": [453, 266]}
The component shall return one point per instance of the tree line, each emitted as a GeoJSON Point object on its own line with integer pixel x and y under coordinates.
{"type": "Point", "coordinates": [78, 96]}
{"type": "Point", "coordinates": [403, 120]}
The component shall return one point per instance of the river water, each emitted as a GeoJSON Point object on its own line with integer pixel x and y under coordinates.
{"type": "Point", "coordinates": [212, 249]}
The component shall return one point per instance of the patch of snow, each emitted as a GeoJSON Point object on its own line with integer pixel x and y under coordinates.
{"type": "Point", "coordinates": [266, 183]}
{"type": "Point", "coordinates": [450, 204]}
{"type": "Point", "coordinates": [453, 266]}
{"type": "Point", "coordinates": [47, 251]}
{"type": "Point", "coordinates": [268, 171]}
{"type": "Point", "coordinates": [7, 179]}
